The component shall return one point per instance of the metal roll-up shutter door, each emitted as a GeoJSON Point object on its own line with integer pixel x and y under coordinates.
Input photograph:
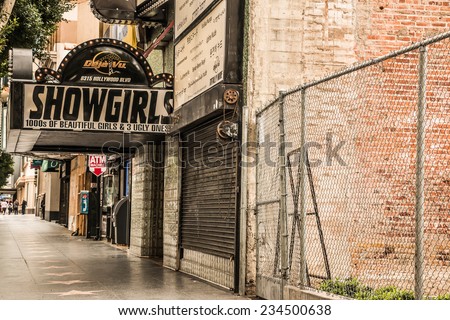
{"type": "Point", "coordinates": [208, 203]}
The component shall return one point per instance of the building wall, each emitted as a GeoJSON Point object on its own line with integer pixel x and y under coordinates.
{"type": "Point", "coordinates": [146, 203]}
{"type": "Point", "coordinates": [88, 27]}
{"type": "Point", "coordinates": [42, 189]}
{"type": "Point", "coordinates": [150, 213]}
{"type": "Point", "coordinates": [26, 186]}
{"type": "Point", "coordinates": [81, 25]}
{"type": "Point", "coordinates": [292, 42]}
{"type": "Point", "coordinates": [389, 26]}
{"type": "Point", "coordinates": [172, 194]}
{"type": "Point", "coordinates": [30, 194]}
{"type": "Point", "coordinates": [79, 180]}
{"type": "Point", "coordinates": [384, 26]}
{"type": "Point", "coordinates": [52, 195]}
{"type": "Point", "coordinates": [140, 207]}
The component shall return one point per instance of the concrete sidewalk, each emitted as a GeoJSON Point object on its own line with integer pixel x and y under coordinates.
{"type": "Point", "coordinates": [42, 261]}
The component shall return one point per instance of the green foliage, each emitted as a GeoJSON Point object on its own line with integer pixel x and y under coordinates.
{"type": "Point", "coordinates": [391, 293]}
{"type": "Point", "coordinates": [30, 25]}
{"type": "Point", "coordinates": [352, 288]}
{"type": "Point", "coordinates": [6, 32]}
{"type": "Point", "coordinates": [349, 287]}
{"type": "Point", "coordinates": [442, 297]}
{"type": "Point", "coordinates": [6, 167]}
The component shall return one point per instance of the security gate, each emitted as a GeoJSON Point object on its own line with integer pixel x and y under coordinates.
{"type": "Point", "coordinates": [209, 204]}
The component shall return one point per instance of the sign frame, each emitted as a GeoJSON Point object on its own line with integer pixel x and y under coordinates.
{"type": "Point", "coordinates": [200, 56]}
{"type": "Point", "coordinates": [211, 100]}
{"type": "Point", "coordinates": [63, 107]}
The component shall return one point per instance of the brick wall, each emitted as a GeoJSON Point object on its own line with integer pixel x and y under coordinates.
{"type": "Point", "coordinates": [292, 42]}
{"type": "Point", "coordinates": [390, 26]}
{"type": "Point", "coordinates": [384, 26]}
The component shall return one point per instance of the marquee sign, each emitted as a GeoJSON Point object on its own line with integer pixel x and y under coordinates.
{"type": "Point", "coordinates": [103, 61]}
{"type": "Point", "coordinates": [96, 108]}
{"type": "Point", "coordinates": [106, 65]}
{"type": "Point", "coordinates": [101, 85]}
{"type": "Point", "coordinates": [102, 98]}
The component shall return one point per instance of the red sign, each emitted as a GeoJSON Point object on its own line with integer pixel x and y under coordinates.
{"type": "Point", "coordinates": [97, 164]}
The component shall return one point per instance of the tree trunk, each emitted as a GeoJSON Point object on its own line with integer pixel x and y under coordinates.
{"type": "Point", "coordinates": [5, 12]}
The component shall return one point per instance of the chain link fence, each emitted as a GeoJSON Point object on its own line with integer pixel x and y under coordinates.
{"type": "Point", "coordinates": [353, 176]}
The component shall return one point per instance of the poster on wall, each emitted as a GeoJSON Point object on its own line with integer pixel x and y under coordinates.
{"type": "Point", "coordinates": [186, 11]}
{"type": "Point", "coordinates": [200, 57]}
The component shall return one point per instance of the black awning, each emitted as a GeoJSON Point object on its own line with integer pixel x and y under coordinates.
{"type": "Point", "coordinates": [129, 12]}
{"type": "Point", "coordinates": [7, 191]}
{"type": "Point", "coordinates": [66, 144]}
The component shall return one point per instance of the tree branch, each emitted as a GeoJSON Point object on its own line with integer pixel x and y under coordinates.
{"type": "Point", "coordinates": [5, 12]}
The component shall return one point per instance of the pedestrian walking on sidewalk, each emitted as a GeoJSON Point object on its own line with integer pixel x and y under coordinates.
{"type": "Point", "coordinates": [16, 207]}
{"type": "Point", "coordinates": [4, 206]}
{"type": "Point", "coordinates": [24, 206]}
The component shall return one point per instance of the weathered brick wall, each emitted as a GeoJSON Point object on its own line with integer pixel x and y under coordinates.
{"type": "Point", "coordinates": [292, 42]}
{"type": "Point", "coordinates": [390, 26]}
{"type": "Point", "coordinates": [384, 26]}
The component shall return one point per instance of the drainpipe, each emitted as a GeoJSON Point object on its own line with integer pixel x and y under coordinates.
{"type": "Point", "coordinates": [244, 203]}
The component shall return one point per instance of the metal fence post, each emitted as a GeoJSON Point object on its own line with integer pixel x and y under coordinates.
{"type": "Point", "coordinates": [420, 176]}
{"type": "Point", "coordinates": [302, 209]}
{"type": "Point", "coordinates": [283, 195]}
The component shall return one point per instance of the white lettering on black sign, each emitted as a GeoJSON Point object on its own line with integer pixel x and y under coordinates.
{"type": "Point", "coordinates": [87, 108]}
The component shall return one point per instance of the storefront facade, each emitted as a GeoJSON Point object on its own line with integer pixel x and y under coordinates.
{"type": "Point", "coordinates": [100, 101]}
{"type": "Point", "coordinates": [202, 172]}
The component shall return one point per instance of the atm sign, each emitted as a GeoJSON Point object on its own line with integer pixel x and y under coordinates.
{"type": "Point", "coordinates": [97, 164]}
